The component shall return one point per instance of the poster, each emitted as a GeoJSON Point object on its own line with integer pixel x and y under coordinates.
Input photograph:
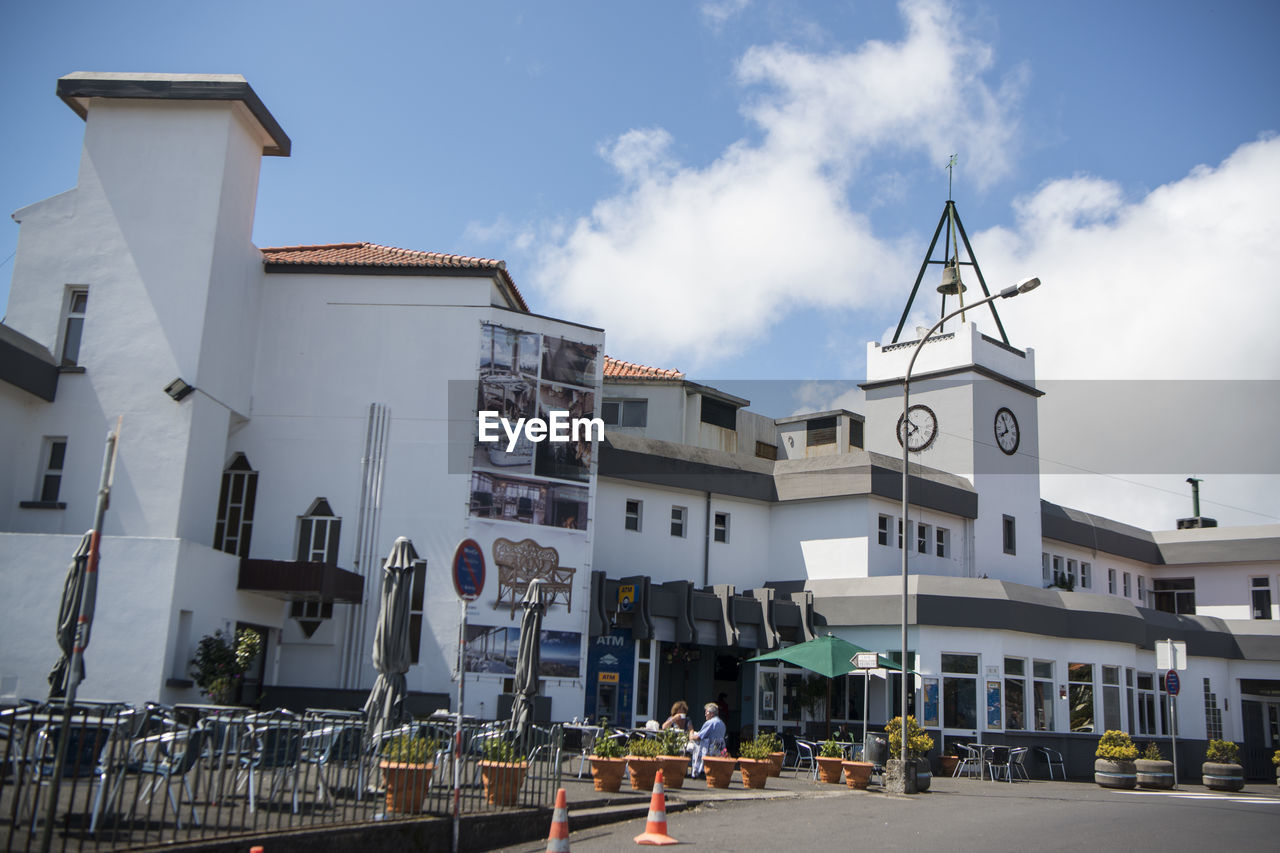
{"type": "Point", "coordinates": [995, 708]}
{"type": "Point", "coordinates": [493, 650]}
{"type": "Point", "coordinates": [929, 717]}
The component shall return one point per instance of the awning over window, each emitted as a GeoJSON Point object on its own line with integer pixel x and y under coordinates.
{"type": "Point", "coordinates": [289, 580]}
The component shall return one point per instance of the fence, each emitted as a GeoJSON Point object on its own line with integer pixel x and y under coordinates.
{"type": "Point", "coordinates": [134, 777]}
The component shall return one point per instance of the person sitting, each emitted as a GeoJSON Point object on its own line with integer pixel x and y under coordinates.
{"type": "Point", "coordinates": [708, 740]}
{"type": "Point", "coordinates": [679, 718]}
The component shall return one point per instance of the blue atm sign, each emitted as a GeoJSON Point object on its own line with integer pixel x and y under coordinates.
{"type": "Point", "coordinates": [468, 570]}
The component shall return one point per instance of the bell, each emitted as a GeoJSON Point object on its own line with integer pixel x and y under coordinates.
{"type": "Point", "coordinates": [951, 284]}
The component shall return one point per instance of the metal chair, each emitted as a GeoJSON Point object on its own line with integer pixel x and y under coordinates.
{"type": "Point", "coordinates": [333, 750]}
{"type": "Point", "coordinates": [91, 736]}
{"type": "Point", "coordinates": [805, 751]}
{"type": "Point", "coordinates": [998, 761]}
{"type": "Point", "coordinates": [167, 758]}
{"type": "Point", "coordinates": [1054, 759]}
{"type": "Point", "coordinates": [277, 750]}
{"type": "Point", "coordinates": [1018, 762]}
{"type": "Point", "coordinates": [970, 761]}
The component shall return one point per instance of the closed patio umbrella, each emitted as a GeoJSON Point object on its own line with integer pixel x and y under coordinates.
{"type": "Point", "coordinates": [392, 656]}
{"type": "Point", "coordinates": [528, 661]}
{"type": "Point", "coordinates": [69, 612]}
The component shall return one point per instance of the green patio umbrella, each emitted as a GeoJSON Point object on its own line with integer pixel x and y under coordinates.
{"type": "Point", "coordinates": [829, 656]}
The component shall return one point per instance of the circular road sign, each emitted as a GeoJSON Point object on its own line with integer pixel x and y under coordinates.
{"type": "Point", "coordinates": [1171, 682]}
{"type": "Point", "coordinates": [468, 570]}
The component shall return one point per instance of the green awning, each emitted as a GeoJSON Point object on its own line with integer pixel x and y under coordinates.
{"type": "Point", "coordinates": [829, 656]}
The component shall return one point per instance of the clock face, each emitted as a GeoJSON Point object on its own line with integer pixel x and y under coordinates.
{"type": "Point", "coordinates": [1007, 435]}
{"type": "Point", "coordinates": [921, 428]}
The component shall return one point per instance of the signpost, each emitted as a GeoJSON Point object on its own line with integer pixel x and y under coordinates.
{"type": "Point", "coordinates": [468, 581]}
{"type": "Point", "coordinates": [1172, 655]}
{"type": "Point", "coordinates": [865, 661]}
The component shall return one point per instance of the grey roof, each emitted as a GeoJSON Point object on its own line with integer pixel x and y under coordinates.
{"type": "Point", "coordinates": [1259, 543]}
{"type": "Point", "coordinates": [25, 364]}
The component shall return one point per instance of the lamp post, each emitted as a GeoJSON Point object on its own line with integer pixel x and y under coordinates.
{"type": "Point", "coordinates": [905, 437]}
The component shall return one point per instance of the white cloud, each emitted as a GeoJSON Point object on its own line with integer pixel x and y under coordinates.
{"type": "Point", "coordinates": [717, 13]}
{"type": "Point", "coordinates": [688, 265]}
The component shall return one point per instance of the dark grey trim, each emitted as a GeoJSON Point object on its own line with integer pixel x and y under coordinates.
{"type": "Point", "coordinates": [42, 504]}
{"type": "Point", "coordinates": [82, 85]}
{"type": "Point", "coordinates": [684, 474]}
{"type": "Point", "coordinates": [641, 610]}
{"type": "Point", "coordinates": [1096, 533]}
{"type": "Point", "coordinates": [1002, 345]}
{"type": "Point", "coordinates": [27, 365]}
{"type": "Point", "coordinates": [887, 483]}
{"type": "Point", "coordinates": [804, 604]}
{"type": "Point", "coordinates": [1260, 549]}
{"type": "Point", "coordinates": [597, 612]}
{"type": "Point", "coordinates": [766, 634]}
{"type": "Point", "coordinates": [954, 371]}
{"type": "Point", "coordinates": [358, 269]}
{"type": "Point", "coordinates": [728, 625]}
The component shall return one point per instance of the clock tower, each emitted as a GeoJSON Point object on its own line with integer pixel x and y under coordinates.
{"type": "Point", "coordinates": [973, 414]}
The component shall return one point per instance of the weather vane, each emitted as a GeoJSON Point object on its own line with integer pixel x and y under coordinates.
{"type": "Point", "coordinates": [951, 164]}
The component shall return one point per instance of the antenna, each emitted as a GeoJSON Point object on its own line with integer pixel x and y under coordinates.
{"type": "Point", "coordinates": [951, 164]}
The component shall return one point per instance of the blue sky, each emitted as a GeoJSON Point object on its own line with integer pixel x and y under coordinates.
{"type": "Point", "coordinates": [744, 189]}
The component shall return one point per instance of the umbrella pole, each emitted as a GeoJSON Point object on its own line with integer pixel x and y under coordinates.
{"type": "Point", "coordinates": [84, 621]}
{"type": "Point", "coordinates": [828, 709]}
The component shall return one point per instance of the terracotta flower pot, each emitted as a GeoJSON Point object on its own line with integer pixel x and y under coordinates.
{"type": "Point", "coordinates": [1222, 777]}
{"type": "Point", "coordinates": [857, 774]}
{"type": "Point", "coordinates": [1115, 774]}
{"type": "Point", "coordinates": [1153, 773]}
{"type": "Point", "coordinates": [947, 764]}
{"type": "Point", "coordinates": [674, 768]}
{"type": "Point", "coordinates": [502, 780]}
{"type": "Point", "coordinates": [606, 773]}
{"type": "Point", "coordinates": [830, 769]}
{"type": "Point", "coordinates": [719, 770]}
{"type": "Point", "coordinates": [406, 786]}
{"type": "Point", "coordinates": [775, 763]}
{"type": "Point", "coordinates": [755, 771]}
{"type": "Point", "coordinates": [642, 769]}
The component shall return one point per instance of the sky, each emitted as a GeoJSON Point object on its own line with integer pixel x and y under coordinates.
{"type": "Point", "coordinates": [745, 189]}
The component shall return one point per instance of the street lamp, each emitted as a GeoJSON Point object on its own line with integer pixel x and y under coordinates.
{"type": "Point", "coordinates": [907, 428]}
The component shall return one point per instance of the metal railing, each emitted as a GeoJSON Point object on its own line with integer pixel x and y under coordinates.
{"type": "Point", "coordinates": [136, 777]}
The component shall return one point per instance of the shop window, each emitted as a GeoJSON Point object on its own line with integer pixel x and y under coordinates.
{"type": "Point", "coordinates": [1015, 693]}
{"type": "Point", "coordinates": [959, 691]}
{"type": "Point", "coordinates": [1110, 698]}
{"type": "Point", "coordinates": [1147, 704]}
{"type": "Point", "coordinates": [1212, 713]}
{"type": "Point", "coordinates": [1042, 694]}
{"type": "Point", "coordinates": [1080, 696]}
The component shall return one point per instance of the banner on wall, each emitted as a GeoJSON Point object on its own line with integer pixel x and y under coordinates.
{"type": "Point", "coordinates": [493, 650]}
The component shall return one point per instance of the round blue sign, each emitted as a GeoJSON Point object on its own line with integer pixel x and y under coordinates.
{"type": "Point", "coordinates": [468, 570]}
{"type": "Point", "coordinates": [1172, 684]}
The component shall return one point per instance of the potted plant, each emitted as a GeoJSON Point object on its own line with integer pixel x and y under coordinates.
{"type": "Point", "coordinates": [754, 760]}
{"type": "Point", "coordinates": [1113, 766]}
{"type": "Point", "coordinates": [1153, 770]}
{"type": "Point", "coordinates": [948, 761]}
{"type": "Point", "coordinates": [407, 762]}
{"type": "Point", "coordinates": [719, 768]}
{"type": "Point", "coordinates": [674, 759]}
{"type": "Point", "coordinates": [502, 770]}
{"type": "Point", "coordinates": [607, 763]}
{"type": "Point", "coordinates": [1275, 759]}
{"type": "Point", "coordinates": [218, 665]}
{"type": "Point", "coordinates": [642, 762]}
{"type": "Point", "coordinates": [830, 760]}
{"type": "Point", "coordinates": [776, 753]}
{"type": "Point", "coordinates": [918, 744]}
{"type": "Point", "coordinates": [1222, 770]}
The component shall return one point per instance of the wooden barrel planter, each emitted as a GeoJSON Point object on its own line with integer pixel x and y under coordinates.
{"type": "Point", "coordinates": [1222, 777]}
{"type": "Point", "coordinates": [1115, 774]}
{"type": "Point", "coordinates": [1154, 774]}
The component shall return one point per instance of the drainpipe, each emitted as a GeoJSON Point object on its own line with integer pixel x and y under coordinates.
{"type": "Point", "coordinates": [706, 546]}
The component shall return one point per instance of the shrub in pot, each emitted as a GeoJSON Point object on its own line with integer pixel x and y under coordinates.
{"type": "Point", "coordinates": [773, 744]}
{"type": "Point", "coordinates": [1222, 770]}
{"type": "Point", "coordinates": [502, 771]}
{"type": "Point", "coordinates": [407, 764]}
{"type": "Point", "coordinates": [607, 763]}
{"type": "Point", "coordinates": [830, 760]}
{"type": "Point", "coordinates": [1275, 759]}
{"type": "Point", "coordinates": [719, 769]}
{"type": "Point", "coordinates": [1113, 766]}
{"type": "Point", "coordinates": [918, 744]}
{"type": "Point", "coordinates": [755, 762]}
{"type": "Point", "coordinates": [675, 758]}
{"type": "Point", "coordinates": [642, 762]}
{"type": "Point", "coordinates": [1153, 771]}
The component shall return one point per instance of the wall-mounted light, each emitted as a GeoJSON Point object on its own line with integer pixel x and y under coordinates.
{"type": "Point", "coordinates": [179, 390]}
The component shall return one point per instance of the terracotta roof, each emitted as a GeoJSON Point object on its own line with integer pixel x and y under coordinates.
{"type": "Point", "coordinates": [617, 369]}
{"type": "Point", "coordinates": [374, 255]}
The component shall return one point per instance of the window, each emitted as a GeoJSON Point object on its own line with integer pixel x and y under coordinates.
{"type": "Point", "coordinates": [882, 529]}
{"type": "Point", "coordinates": [625, 413]}
{"type": "Point", "coordinates": [856, 428]}
{"type": "Point", "coordinates": [234, 526]}
{"type": "Point", "coordinates": [1146, 704]}
{"type": "Point", "coordinates": [959, 691]}
{"type": "Point", "coordinates": [766, 451]}
{"type": "Point", "coordinates": [722, 527]}
{"type": "Point", "coordinates": [943, 542]}
{"type": "Point", "coordinates": [1111, 581]}
{"type": "Point", "coordinates": [632, 519]}
{"type": "Point", "coordinates": [1015, 693]}
{"type": "Point", "coordinates": [899, 533]}
{"type": "Point", "coordinates": [1142, 590]}
{"type": "Point", "coordinates": [53, 456]}
{"type": "Point", "coordinates": [1059, 576]}
{"type": "Point", "coordinates": [719, 414]}
{"type": "Point", "coordinates": [644, 665]}
{"type": "Point", "coordinates": [1086, 576]}
{"type": "Point", "coordinates": [1080, 696]}
{"type": "Point", "coordinates": [1175, 595]}
{"type": "Point", "coordinates": [923, 535]}
{"type": "Point", "coordinates": [1128, 683]}
{"type": "Point", "coordinates": [73, 325]}
{"type": "Point", "coordinates": [1260, 589]}
{"type": "Point", "coordinates": [1127, 589]}
{"type": "Point", "coordinates": [1042, 695]}
{"type": "Point", "coordinates": [1071, 573]}
{"type": "Point", "coordinates": [310, 614]}
{"type": "Point", "coordinates": [678, 515]}
{"type": "Point", "coordinates": [1010, 535]}
{"type": "Point", "coordinates": [1212, 713]}
{"type": "Point", "coordinates": [318, 534]}
{"type": "Point", "coordinates": [417, 598]}
{"type": "Point", "coordinates": [820, 431]}
{"type": "Point", "coordinates": [1110, 698]}
{"type": "Point", "coordinates": [1045, 574]}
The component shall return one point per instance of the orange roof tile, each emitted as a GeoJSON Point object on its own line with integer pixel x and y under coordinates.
{"type": "Point", "coordinates": [617, 369]}
{"type": "Point", "coordinates": [374, 255]}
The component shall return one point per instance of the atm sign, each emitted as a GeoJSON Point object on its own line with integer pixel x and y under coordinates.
{"type": "Point", "coordinates": [608, 678]}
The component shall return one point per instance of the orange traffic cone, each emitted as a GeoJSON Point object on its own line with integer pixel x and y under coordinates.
{"type": "Point", "coordinates": [655, 830]}
{"type": "Point", "coordinates": [558, 840]}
